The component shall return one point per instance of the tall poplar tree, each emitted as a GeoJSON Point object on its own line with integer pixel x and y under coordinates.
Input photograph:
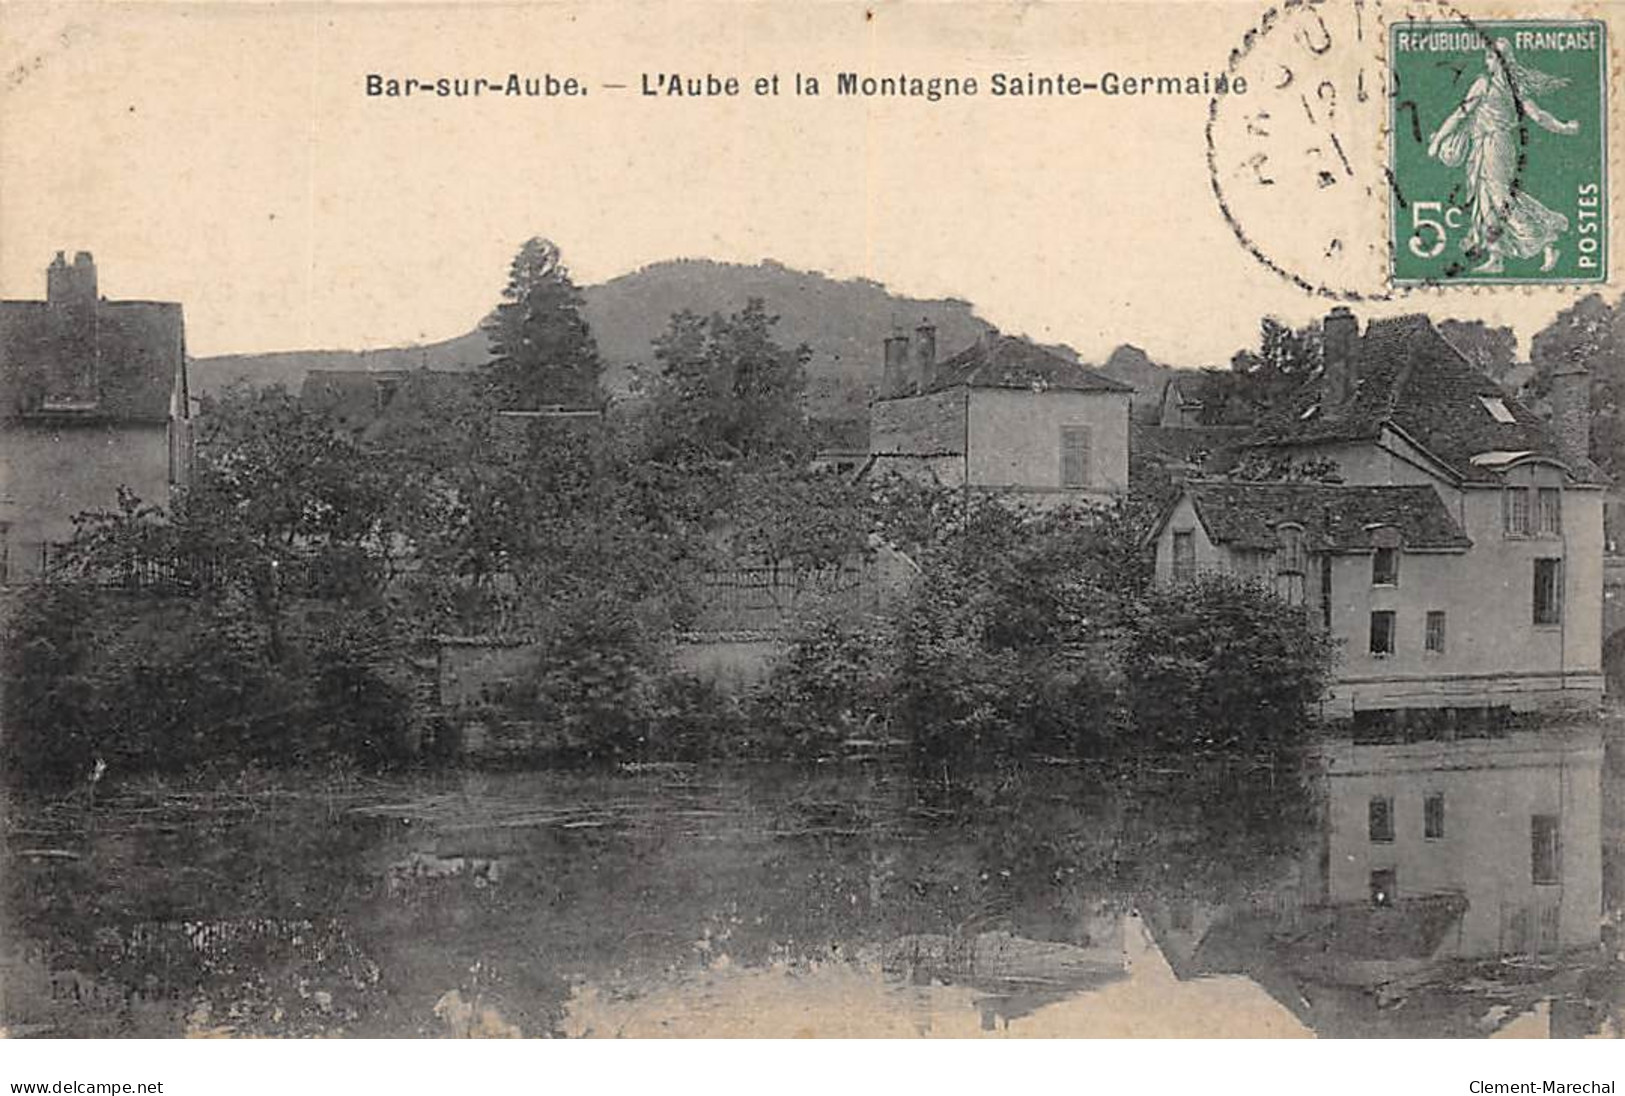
{"type": "Point", "coordinates": [542, 351]}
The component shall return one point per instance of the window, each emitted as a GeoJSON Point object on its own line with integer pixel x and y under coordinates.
{"type": "Point", "coordinates": [1382, 633]}
{"type": "Point", "coordinates": [1383, 887]}
{"type": "Point", "coordinates": [1326, 592]}
{"type": "Point", "coordinates": [1515, 511]}
{"type": "Point", "coordinates": [1433, 816]}
{"type": "Point", "coordinates": [1380, 818]}
{"type": "Point", "coordinates": [1184, 554]}
{"type": "Point", "coordinates": [1549, 511]}
{"type": "Point", "coordinates": [1497, 408]}
{"type": "Point", "coordinates": [1545, 849]}
{"type": "Point", "coordinates": [1385, 567]}
{"type": "Point", "coordinates": [1289, 552]}
{"type": "Point", "coordinates": [1548, 591]}
{"type": "Point", "coordinates": [1435, 632]}
{"type": "Point", "coordinates": [1291, 562]}
{"type": "Point", "coordinates": [1074, 456]}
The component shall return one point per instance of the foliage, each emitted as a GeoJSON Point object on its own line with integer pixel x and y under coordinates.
{"type": "Point", "coordinates": [833, 684]}
{"type": "Point", "coordinates": [1493, 350]}
{"type": "Point", "coordinates": [589, 692]}
{"type": "Point", "coordinates": [1285, 358]}
{"type": "Point", "coordinates": [1005, 645]}
{"type": "Point", "coordinates": [1223, 664]}
{"type": "Point", "coordinates": [542, 351]}
{"type": "Point", "coordinates": [1592, 333]}
{"type": "Point", "coordinates": [726, 390]}
{"type": "Point", "coordinates": [1264, 466]}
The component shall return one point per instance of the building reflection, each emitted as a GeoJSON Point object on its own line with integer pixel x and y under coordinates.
{"type": "Point", "coordinates": [1468, 849]}
{"type": "Point", "coordinates": [1452, 888]}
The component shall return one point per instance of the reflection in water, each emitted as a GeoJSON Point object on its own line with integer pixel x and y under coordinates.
{"type": "Point", "coordinates": [1454, 888]}
{"type": "Point", "coordinates": [1449, 888]}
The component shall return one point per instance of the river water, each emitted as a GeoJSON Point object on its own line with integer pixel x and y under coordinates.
{"type": "Point", "coordinates": [1461, 889]}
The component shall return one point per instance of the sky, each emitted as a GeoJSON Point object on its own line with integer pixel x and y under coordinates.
{"type": "Point", "coordinates": [227, 156]}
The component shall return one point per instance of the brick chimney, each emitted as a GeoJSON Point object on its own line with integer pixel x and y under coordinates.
{"type": "Point", "coordinates": [1339, 370]}
{"type": "Point", "coordinates": [894, 378]}
{"type": "Point", "coordinates": [925, 354]}
{"type": "Point", "coordinates": [74, 284]}
{"type": "Point", "coordinates": [1571, 413]}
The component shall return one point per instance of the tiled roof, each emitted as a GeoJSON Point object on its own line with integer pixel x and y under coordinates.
{"type": "Point", "coordinates": [1411, 378]}
{"type": "Point", "coordinates": [1334, 517]}
{"type": "Point", "coordinates": [1213, 446]}
{"type": "Point", "coordinates": [131, 350]}
{"type": "Point", "coordinates": [362, 400]}
{"type": "Point", "coordinates": [1003, 361]}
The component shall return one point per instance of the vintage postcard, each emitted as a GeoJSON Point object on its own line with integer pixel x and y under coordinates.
{"type": "Point", "coordinates": [657, 519]}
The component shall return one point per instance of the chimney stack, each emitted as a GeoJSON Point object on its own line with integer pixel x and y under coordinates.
{"type": "Point", "coordinates": [1571, 413]}
{"type": "Point", "coordinates": [1338, 334]}
{"type": "Point", "coordinates": [74, 284]}
{"type": "Point", "coordinates": [894, 378]}
{"type": "Point", "coordinates": [925, 353]}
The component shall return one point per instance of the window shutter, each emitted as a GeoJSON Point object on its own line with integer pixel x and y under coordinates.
{"type": "Point", "coordinates": [1075, 455]}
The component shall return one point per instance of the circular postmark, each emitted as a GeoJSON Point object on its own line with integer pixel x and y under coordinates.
{"type": "Point", "coordinates": [1303, 167]}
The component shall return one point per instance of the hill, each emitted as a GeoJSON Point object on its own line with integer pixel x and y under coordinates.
{"type": "Point", "coordinates": [843, 322]}
{"type": "Point", "coordinates": [1134, 367]}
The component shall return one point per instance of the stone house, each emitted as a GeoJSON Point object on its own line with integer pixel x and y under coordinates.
{"type": "Point", "coordinates": [93, 397]}
{"type": "Point", "coordinates": [1460, 560]}
{"type": "Point", "coordinates": [1002, 415]}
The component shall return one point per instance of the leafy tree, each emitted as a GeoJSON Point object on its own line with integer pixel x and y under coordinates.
{"type": "Point", "coordinates": [1223, 664]}
{"type": "Point", "coordinates": [1005, 645]}
{"type": "Point", "coordinates": [542, 351]}
{"type": "Point", "coordinates": [1592, 333]}
{"type": "Point", "coordinates": [725, 390]}
{"type": "Point", "coordinates": [1491, 349]}
{"type": "Point", "coordinates": [1285, 358]}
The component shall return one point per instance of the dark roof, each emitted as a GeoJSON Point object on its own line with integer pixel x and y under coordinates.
{"type": "Point", "coordinates": [1334, 517]}
{"type": "Point", "coordinates": [363, 401]}
{"type": "Point", "coordinates": [1003, 361]}
{"type": "Point", "coordinates": [1214, 447]}
{"type": "Point", "coordinates": [1411, 378]}
{"type": "Point", "coordinates": [117, 361]}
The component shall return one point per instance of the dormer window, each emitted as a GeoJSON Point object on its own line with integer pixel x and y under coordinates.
{"type": "Point", "coordinates": [1497, 408]}
{"type": "Point", "coordinates": [1515, 512]}
{"type": "Point", "coordinates": [1385, 558]}
{"type": "Point", "coordinates": [1385, 567]}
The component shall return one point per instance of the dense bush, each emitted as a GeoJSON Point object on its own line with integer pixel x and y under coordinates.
{"type": "Point", "coordinates": [153, 682]}
{"type": "Point", "coordinates": [588, 691]}
{"type": "Point", "coordinates": [832, 685]}
{"type": "Point", "coordinates": [1005, 645]}
{"type": "Point", "coordinates": [1220, 663]}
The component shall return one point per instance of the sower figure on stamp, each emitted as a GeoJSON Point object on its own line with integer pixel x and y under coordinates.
{"type": "Point", "coordinates": [1483, 131]}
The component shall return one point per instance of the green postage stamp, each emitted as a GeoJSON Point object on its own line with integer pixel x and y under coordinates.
{"type": "Point", "coordinates": [1498, 152]}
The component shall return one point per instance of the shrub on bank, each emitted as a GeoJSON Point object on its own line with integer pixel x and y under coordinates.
{"type": "Point", "coordinates": [1222, 663]}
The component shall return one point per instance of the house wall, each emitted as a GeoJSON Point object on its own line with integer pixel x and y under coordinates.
{"type": "Point", "coordinates": [1209, 557]}
{"type": "Point", "coordinates": [1577, 641]}
{"type": "Point", "coordinates": [1393, 463]}
{"type": "Point", "coordinates": [49, 473]}
{"type": "Point", "coordinates": [1491, 790]}
{"type": "Point", "coordinates": [1495, 655]}
{"type": "Point", "coordinates": [1015, 438]}
{"type": "Point", "coordinates": [928, 425]}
